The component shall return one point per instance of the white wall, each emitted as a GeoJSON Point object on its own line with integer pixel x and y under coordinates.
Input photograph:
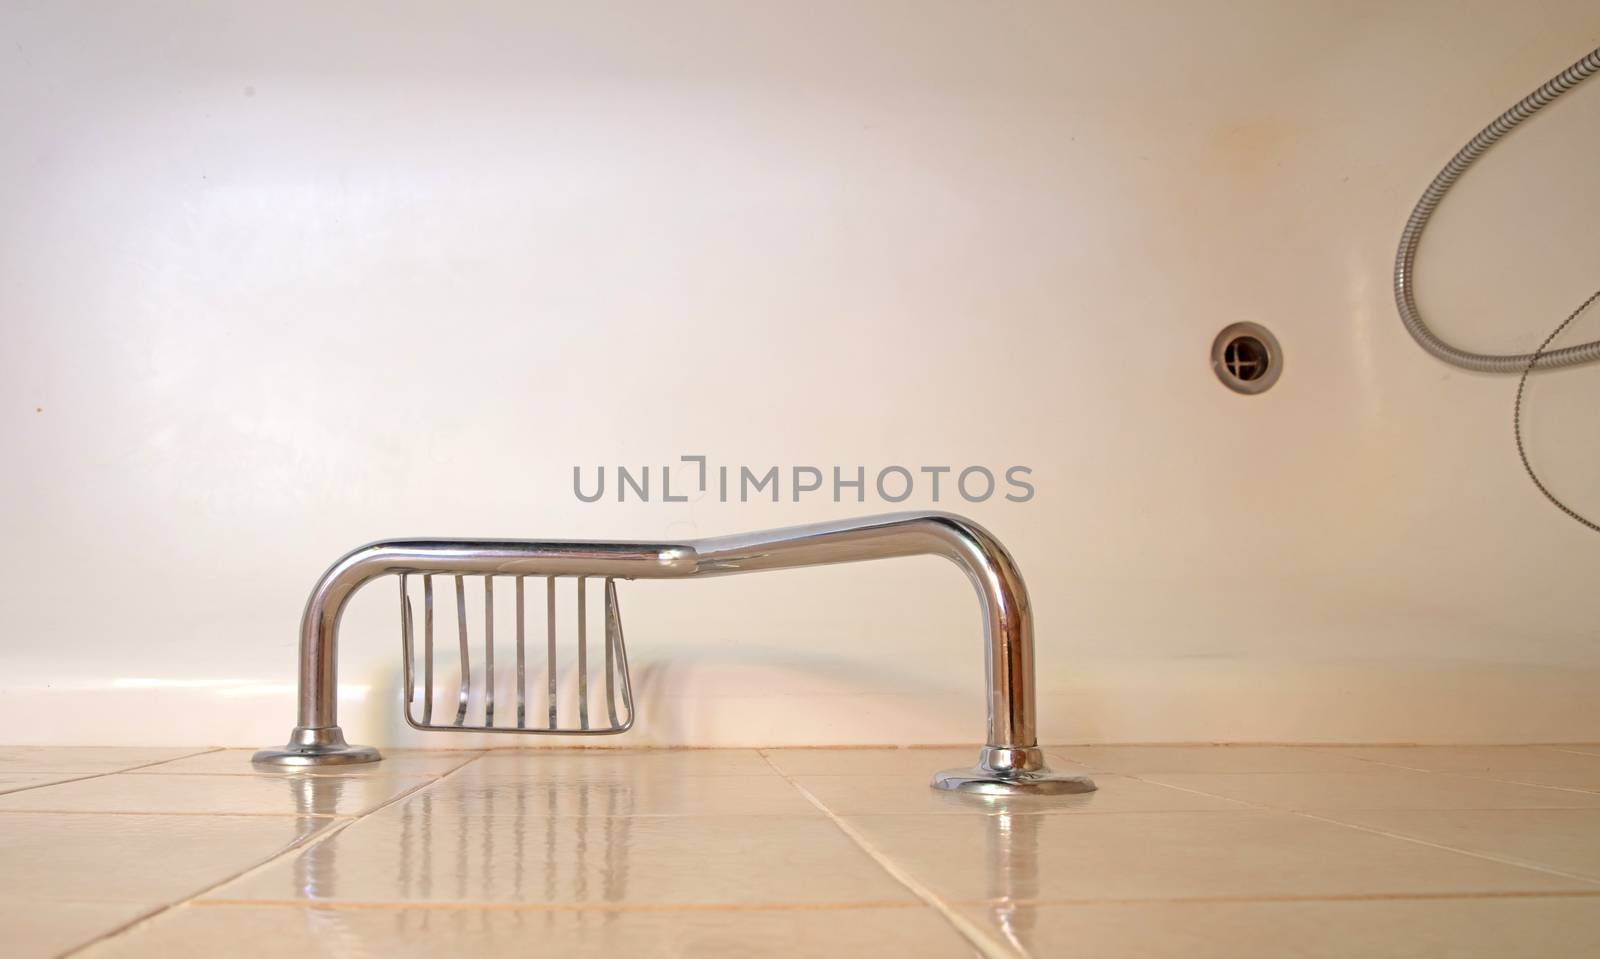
{"type": "Point", "coordinates": [277, 279]}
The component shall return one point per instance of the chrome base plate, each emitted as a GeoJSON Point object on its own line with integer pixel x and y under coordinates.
{"type": "Point", "coordinates": [323, 746]}
{"type": "Point", "coordinates": [317, 756]}
{"type": "Point", "coordinates": [1012, 771]}
{"type": "Point", "coordinates": [989, 782]}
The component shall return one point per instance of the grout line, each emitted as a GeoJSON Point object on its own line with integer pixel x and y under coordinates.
{"type": "Point", "coordinates": [1383, 766]}
{"type": "Point", "coordinates": [1574, 750]}
{"type": "Point", "coordinates": [75, 778]}
{"type": "Point", "coordinates": [975, 934]}
{"type": "Point", "coordinates": [548, 907]}
{"type": "Point", "coordinates": [193, 814]}
{"type": "Point", "coordinates": [150, 912]}
{"type": "Point", "coordinates": [1309, 897]}
{"type": "Point", "coordinates": [869, 904]}
{"type": "Point", "coordinates": [203, 752]}
{"type": "Point", "coordinates": [357, 772]}
{"type": "Point", "coordinates": [1303, 744]}
{"type": "Point", "coordinates": [1582, 790]}
{"type": "Point", "coordinates": [298, 847]}
{"type": "Point", "coordinates": [1305, 814]}
{"type": "Point", "coordinates": [1482, 777]}
{"type": "Point", "coordinates": [70, 778]}
{"type": "Point", "coordinates": [1504, 860]}
{"type": "Point", "coordinates": [597, 748]}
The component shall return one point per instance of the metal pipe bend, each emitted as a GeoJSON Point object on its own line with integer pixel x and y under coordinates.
{"type": "Point", "coordinates": [1011, 753]}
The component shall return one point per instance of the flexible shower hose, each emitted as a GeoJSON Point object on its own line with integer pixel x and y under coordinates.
{"type": "Point", "coordinates": [1405, 257]}
{"type": "Point", "coordinates": [1405, 271]}
{"type": "Point", "coordinates": [1516, 416]}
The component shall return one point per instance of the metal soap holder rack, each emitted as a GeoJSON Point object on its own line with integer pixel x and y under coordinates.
{"type": "Point", "coordinates": [1009, 763]}
{"type": "Point", "coordinates": [617, 686]}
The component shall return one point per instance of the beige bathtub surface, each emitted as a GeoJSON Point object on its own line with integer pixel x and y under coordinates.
{"type": "Point", "coordinates": [1200, 851]}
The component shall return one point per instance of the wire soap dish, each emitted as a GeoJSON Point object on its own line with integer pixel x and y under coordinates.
{"type": "Point", "coordinates": [615, 684]}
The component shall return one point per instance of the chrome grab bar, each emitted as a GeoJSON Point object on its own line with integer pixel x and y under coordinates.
{"type": "Point", "coordinates": [1010, 761]}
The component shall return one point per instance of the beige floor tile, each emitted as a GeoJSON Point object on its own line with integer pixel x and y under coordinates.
{"type": "Point", "coordinates": [72, 856]}
{"type": "Point", "coordinates": [40, 929]}
{"type": "Point", "coordinates": [624, 796]}
{"type": "Point", "coordinates": [918, 761]}
{"type": "Point", "coordinates": [574, 765]}
{"type": "Point", "coordinates": [10, 782]}
{"type": "Point", "coordinates": [259, 931]}
{"type": "Point", "coordinates": [412, 857]}
{"type": "Point", "coordinates": [1254, 853]}
{"type": "Point", "coordinates": [1564, 839]}
{"type": "Point", "coordinates": [1381, 788]}
{"type": "Point", "coordinates": [396, 762]}
{"type": "Point", "coordinates": [83, 759]}
{"type": "Point", "coordinates": [1524, 764]}
{"type": "Point", "coordinates": [1494, 928]}
{"type": "Point", "coordinates": [866, 795]}
{"type": "Point", "coordinates": [1207, 759]}
{"type": "Point", "coordinates": [227, 795]}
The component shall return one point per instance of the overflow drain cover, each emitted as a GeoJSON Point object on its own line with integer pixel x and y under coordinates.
{"type": "Point", "coordinates": [1247, 358]}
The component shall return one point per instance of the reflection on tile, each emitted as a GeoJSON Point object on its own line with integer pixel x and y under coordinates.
{"type": "Point", "coordinates": [1382, 788]}
{"type": "Point", "coordinates": [573, 765]}
{"type": "Point", "coordinates": [52, 928]}
{"type": "Point", "coordinates": [717, 852]}
{"type": "Point", "coordinates": [83, 759]}
{"type": "Point", "coordinates": [864, 795]}
{"type": "Point", "coordinates": [1525, 764]}
{"type": "Point", "coordinates": [639, 796]}
{"type": "Point", "coordinates": [227, 795]}
{"type": "Point", "coordinates": [1176, 855]}
{"type": "Point", "coordinates": [74, 856]}
{"type": "Point", "coordinates": [1136, 760]}
{"type": "Point", "coordinates": [410, 856]}
{"type": "Point", "coordinates": [1504, 928]}
{"type": "Point", "coordinates": [246, 931]}
{"type": "Point", "coordinates": [396, 762]}
{"type": "Point", "coordinates": [920, 762]}
{"type": "Point", "coordinates": [1564, 839]}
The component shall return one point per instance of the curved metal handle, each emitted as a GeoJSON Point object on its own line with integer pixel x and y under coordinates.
{"type": "Point", "coordinates": [1011, 752]}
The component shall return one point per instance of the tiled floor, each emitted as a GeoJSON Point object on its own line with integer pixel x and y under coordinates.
{"type": "Point", "coordinates": [1235, 851]}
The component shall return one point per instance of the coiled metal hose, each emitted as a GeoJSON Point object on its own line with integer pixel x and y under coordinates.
{"type": "Point", "coordinates": [1405, 257]}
